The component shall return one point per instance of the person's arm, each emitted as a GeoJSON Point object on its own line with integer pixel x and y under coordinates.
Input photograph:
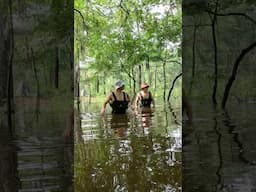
{"type": "Point", "coordinates": [136, 101]}
{"type": "Point", "coordinates": [105, 104]}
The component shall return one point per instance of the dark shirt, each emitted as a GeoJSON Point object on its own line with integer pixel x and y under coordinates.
{"type": "Point", "coordinates": [145, 102]}
{"type": "Point", "coordinates": [119, 106]}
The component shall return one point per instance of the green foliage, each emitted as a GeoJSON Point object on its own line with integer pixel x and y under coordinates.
{"type": "Point", "coordinates": [113, 38]}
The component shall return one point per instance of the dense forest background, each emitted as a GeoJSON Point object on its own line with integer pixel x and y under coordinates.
{"type": "Point", "coordinates": [135, 41]}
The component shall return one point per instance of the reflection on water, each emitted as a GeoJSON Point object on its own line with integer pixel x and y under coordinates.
{"type": "Point", "coordinates": [41, 163]}
{"type": "Point", "coordinates": [35, 158]}
{"type": "Point", "coordinates": [220, 154]}
{"type": "Point", "coordinates": [129, 152]}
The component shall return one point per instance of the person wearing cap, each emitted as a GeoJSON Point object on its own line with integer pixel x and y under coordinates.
{"type": "Point", "coordinates": [118, 100]}
{"type": "Point", "coordinates": [144, 97]}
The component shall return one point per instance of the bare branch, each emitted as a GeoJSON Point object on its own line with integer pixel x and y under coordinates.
{"type": "Point", "coordinates": [79, 12]}
{"type": "Point", "coordinates": [173, 83]}
{"type": "Point", "coordinates": [233, 14]}
{"type": "Point", "coordinates": [232, 78]}
{"type": "Point", "coordinates": [123, 8]}
{"type": "Point", "coordinates": [198, 25]}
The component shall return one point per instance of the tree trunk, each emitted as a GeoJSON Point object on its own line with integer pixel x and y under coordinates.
{"type": "Point", "coordinates": [134, 83]}
{"type": "Point", "coordinates": [97, 85]}
{"type": "Point", "coordinates": [71, 62]}
{"type": "Point", "coordinates": [193, 52]}
{"type": "Point", "coordinates": [155, 77]}
{"type": "Point", "coordinates": [4, 60]}
{"type": "Point", "coordinates": [130, 84]}
{"type": "Point", "coordinates": [10, 72]}
{"type": "Point", "coordinates": [104, 82]}
{"type": "Point", "coordinates": [215, 85]}
{"type": "Point", "coordinates": [37, 84]}
{"type": "Point", "coordinates": [90, 93]}
{"type": "Point", "coordinates": [140, 80]}
{"type": "Point", "coordinates": [148, 70]}
{"type": "Point", "coordinates": [164, 78]}
{"type": "Point", "coordinates": [56, 71]}
{"type": "Point", "coordinates": [77, 85]}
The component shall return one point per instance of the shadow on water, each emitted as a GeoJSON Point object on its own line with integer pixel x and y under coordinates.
{"type": "Point", "coordinates": [219, 155]}
{"type": "Point", "coordinates": [36, 157]}
{"type": "Point", "coordinates": [133, 152]}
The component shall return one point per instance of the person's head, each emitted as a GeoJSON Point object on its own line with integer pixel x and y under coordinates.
{"type": "Point", "coordinates": [119, 85]}
{"type": "Point", "coordinates": [144, 87]}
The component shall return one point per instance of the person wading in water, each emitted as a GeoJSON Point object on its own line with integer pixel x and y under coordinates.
{"type": "Point", "coordinates": [118, 100]}
{"type": "Point", "coordinates": [144, 98]}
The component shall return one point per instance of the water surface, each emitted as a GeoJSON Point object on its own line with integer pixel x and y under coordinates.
{"type": "Point", "coordinates": [129, 152]}
{"type": "Point", "coordinates": [220, 154]}
{"type": "Point", "coordinates": [35, 157]}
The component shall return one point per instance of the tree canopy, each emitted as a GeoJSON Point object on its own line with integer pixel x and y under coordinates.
{"type": "Point", "coordinates": [126, 39]}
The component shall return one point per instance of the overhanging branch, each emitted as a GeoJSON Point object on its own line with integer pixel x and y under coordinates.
{"type": "Point", "coordinates": [233, 14]}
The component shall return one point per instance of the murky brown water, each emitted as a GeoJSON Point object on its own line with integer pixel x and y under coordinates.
{"type": "Point", "coordinates": [129, 152]}
{"type": "Point", "coordinates": [220, 154]}
{"type": "Point", "coordinates": [35, 157]}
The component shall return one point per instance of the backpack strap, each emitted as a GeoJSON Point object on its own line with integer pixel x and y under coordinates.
{"type": "Point", "coordinates": [141, 97]}
{"type": "Point", "coordinates": [124, 96]}
{"type": "Point", "coordinates": [114, 96]}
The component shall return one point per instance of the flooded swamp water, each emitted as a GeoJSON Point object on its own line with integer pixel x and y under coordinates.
{"type": "Point", "coordinates": [35, 157]}
{"type": "Point", "coordinates": [219, 155]}
{"type": "Point", "coordinates": [133, 152]}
